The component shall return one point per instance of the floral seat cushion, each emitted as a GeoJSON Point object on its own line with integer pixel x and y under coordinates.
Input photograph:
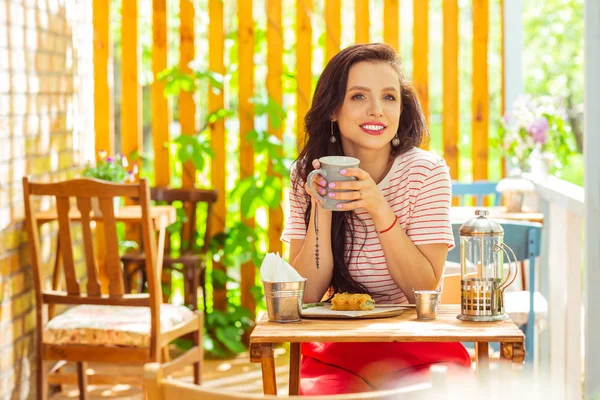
{"type": "Point", "coordinates": [111, 325]}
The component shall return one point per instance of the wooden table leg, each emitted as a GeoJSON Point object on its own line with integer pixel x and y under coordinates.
{"type": "Point", "coordinates": [510, 354]}
{"type": "Point", "coordinates": [263, 353]}
{"type": "Point", "coordinates": [295, 359]}
{"type": "Point", "coordinates": [513, 352]}
{"type": "Point", "coordinates": [483, 362]}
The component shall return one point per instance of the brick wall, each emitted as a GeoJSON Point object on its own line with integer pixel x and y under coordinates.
{"type": "Point", "coordinates": [46, 126]}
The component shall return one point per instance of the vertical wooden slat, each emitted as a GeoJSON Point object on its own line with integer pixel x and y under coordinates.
{"type": "Point", "coordinates": [480, 100]}
{"type": "Point", "coordinates": [131, 104]}
{"type": "Point", "coordinates": [103, 126]}
{"type": "Point", "coordinates": [421, 55]}
{"type": "Point", "coordinates": [216, 101]}
{"type": "Point", "coordinates": [66, 245]}
{"type": "Point", "coordinates": [391, 23]}
{"type": "Point", "coordinates": [187, 107]}
{"type": "Point", "coordinates": [246, 115]}
{"type": "Point", "coordinates": [450, 86]}
{"type": "Point", "coordinates": [361, 18]}
{"type": "Point", "coordinates": [333, 28]}
{"type": "Point", "coordinates": [113, 263]}
{"type": "Point", "coordinates": [160, 105]}
{"type": "Point", "coordinates": [275, 91]}
{"type": "Point", "coordinates": [93, 285]}
{"type": "Point", "coordinates": [303, 64]}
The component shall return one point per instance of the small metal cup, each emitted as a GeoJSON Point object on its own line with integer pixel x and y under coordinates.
{"type": "Point", "coordinates": [284, 300]}
{"type": "Point", "coordinates": [426, 302]}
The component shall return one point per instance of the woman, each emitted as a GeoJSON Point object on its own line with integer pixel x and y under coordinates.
{"type": "Point", "coordinates": [391, 237]}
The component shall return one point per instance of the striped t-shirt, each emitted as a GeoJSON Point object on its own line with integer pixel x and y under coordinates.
{"type": "Point", "coordinates": [417, 188]}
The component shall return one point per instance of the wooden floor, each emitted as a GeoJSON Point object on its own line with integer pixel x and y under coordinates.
{"type": "Point", "coordinates": [236, 374]}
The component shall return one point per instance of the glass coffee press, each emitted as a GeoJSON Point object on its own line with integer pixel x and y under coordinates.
{"type": "Point", "coordinates": [483, 277]}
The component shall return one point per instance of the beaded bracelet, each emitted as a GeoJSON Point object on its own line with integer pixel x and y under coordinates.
{"type": "Point", "coordinates": [391, 226]}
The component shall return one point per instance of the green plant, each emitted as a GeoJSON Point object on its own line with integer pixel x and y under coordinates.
{"type": "Point", "coordinates": [111, 168]}
{"type": "Point", "coordinates": [536, 125]}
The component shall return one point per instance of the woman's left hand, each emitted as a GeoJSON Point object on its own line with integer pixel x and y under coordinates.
{"type": "Point", "coordinates": [363, 192]}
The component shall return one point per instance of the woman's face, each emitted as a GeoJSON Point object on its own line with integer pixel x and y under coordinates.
{"type": "Point", "coordinates": [369, 116]}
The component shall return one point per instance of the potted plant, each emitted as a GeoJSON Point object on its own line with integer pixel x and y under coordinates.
{"type": "Point", "coordinates": [112, 169]}
{"type": "Point", "coordinates": [534, 136]}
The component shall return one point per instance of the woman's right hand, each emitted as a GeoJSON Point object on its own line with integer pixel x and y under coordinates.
{"type": "Point", "coordinates": [319, 183]}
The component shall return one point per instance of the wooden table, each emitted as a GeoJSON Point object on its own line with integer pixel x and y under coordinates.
{"type": "Point", "coordinates": [404, 328]}
{"type": "Point", "coordinates": [160, 216]}
{"type": "Point", "coordinates": [464, 213]}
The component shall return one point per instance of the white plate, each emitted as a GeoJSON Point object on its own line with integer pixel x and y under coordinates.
{"type": "Point", "coordinates": [326, 312]}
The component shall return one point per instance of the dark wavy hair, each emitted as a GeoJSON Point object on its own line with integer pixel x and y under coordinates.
{"type": "Point", "coordinates": [328, 98]}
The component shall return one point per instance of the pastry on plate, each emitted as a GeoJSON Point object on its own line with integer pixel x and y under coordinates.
{"type": "Point", "coordinates": [352, 302]}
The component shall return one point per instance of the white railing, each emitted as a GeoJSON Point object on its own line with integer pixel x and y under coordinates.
{"type": "Point", "coordinates": [560, 282]}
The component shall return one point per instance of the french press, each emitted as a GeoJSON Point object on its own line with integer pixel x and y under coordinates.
{"type": "Point", "coordinates": [483, 278]}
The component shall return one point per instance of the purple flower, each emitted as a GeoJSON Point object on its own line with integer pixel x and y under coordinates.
{"type": "Point", "coordinates": [539, 130]}
{"type": "Point", "coordinates": [110, 159]}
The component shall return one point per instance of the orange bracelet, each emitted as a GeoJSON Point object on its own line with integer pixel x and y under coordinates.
{"type": "Point", "coordinates": [391, 226]}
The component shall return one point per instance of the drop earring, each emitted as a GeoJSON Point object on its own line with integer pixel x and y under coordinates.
{"type": "Point", "coordinates": [332, 138]}
{"type": "Point", "coordinates": [396, 141]}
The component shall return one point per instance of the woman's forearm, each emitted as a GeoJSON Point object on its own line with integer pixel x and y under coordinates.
{"type": "Point", "coordinates": [318, 280]}
{"type": "Point", "coordinates": [408, 267]}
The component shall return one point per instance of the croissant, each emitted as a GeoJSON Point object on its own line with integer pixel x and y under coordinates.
{"type": "Point", "coordinates": [352, 302]}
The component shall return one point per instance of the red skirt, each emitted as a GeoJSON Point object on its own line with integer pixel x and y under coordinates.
{"type": "Point", "coordinates": [337, 368]}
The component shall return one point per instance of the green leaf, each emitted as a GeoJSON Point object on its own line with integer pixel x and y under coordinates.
{"type": "Point", "coordinates": [219, 278]}
{"type": "Point", "coordinates": [249, 198]}
{"type": "Point", "coordinates": [257, 292]}
{"type": "Point", "coordinates": [185, 153]}
{"type": "Point", "coordinates": [231, 338]}
{"type": "Point", "coordinates": [199, 157]}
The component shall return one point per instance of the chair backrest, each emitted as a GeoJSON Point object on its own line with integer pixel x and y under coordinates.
{"type": "Point", "coordinates": [477, 189]}
{"type": "Point", "coordinates": [190, 197]}
{"type": "Point", "coordinates": [158, 388]}
{"type": "Point", "coordinates": [107, 291]}
{"type": "Point", "coordinates": [524, 238]}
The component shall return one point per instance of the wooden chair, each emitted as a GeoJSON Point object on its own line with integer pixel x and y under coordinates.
{"type": "Point", "coordinates": [159, 388]}
{"type": "Point", "coordinates": [192, 260]}
{"type": "Point", "coordinates": [525, 307]}
{"type": "Point", "coordinates": [142, 325]}
{"type": "Point", "coordinates": [477, 189]}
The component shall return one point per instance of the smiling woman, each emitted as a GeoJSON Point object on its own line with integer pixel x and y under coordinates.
{"type": "Point", "coordinates": [390, 229]}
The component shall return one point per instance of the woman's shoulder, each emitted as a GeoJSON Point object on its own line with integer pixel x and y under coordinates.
{"type": "Point", "coordinates": [417, 159]}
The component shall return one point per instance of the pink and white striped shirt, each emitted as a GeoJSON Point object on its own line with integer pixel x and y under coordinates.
{"type": "Point", "coordinates": [417, 188]}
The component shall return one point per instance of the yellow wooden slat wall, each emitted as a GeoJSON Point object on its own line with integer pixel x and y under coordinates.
{"type": "Point", "coordinates": [246, 116]}
{"type": "Point", "coordinates": [450, 86]}
{"type": "Point", "coordinates": [159, 104]}
{"type": "Point", "coordinates": [480, 89]}
{"type": "Point", "coordinates": [361, 16]}
{"type": "Point", "coordinates": [103, 126]}
{"type": "Point", "coordinates": [391, 23]}
{"type": "Point", "coordinates": [303, 65]}
{"type": "Point", "coordinates": [333, 28]}
{"type": "Point", "coordinates": [275, 91]}
{"type": "Point", "coordinates": [131, 91]}
{"type": "Point", "coordinates": [421, 55]}
{"type": "Point", "coordinates": [187, 106]}
{"type": "Point", "coordinates": [216, 101]}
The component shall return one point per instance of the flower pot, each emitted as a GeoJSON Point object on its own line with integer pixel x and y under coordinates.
{"type": "Point", "coordinates": [540, 164]}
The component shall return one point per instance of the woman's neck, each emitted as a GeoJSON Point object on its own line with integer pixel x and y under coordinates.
{"type": "Point", "coordinates": [376, 163]}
